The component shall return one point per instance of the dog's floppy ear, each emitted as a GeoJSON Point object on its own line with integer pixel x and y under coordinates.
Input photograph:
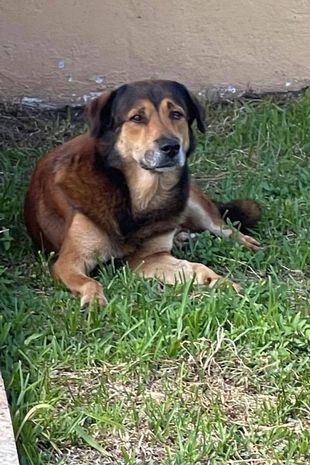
{"type": "Point", "coordinates": [99, 113]}
{"type": "Point", "coordinates": [196, 112]}
{"type": "Point", "coordinates": [195, 109]}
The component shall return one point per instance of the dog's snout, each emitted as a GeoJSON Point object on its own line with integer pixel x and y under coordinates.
{"type": "Point", "coordinates": [169, 146]}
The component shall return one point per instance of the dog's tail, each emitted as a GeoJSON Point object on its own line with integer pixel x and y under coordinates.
{"type": "Point", "coordinates": [245, 212]}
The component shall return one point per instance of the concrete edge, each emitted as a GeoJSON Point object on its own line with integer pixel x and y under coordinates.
{"type": "Point", "coordinates": [210, 94]}
{"type": "Point", "coordinates": [8, 451]}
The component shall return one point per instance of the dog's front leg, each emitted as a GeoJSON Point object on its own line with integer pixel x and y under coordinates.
{"type": "Point", "coordinates": [83, 245]}
{"type": "Point", "coordinates": [154, 260]}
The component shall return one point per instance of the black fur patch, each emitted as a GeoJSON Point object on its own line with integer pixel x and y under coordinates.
{"type": "Point", "coordinates": [244, 212]}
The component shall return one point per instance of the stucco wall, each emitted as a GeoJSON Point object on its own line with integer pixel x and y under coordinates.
{"type": "Point", "coordinates": [66, 49]}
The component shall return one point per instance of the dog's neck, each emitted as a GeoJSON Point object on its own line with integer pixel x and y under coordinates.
{"type": "Point", "coordinates": [148, 189]}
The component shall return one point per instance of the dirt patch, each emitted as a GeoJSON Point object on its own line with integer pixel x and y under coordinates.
{"type": "Point", "coordinates": [24, 126]}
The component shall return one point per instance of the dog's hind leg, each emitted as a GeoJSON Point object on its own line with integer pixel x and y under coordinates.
{"type": "Point", "coordinates": [203, 214]}
{"type": "Point", "coordinates": [83, 246]}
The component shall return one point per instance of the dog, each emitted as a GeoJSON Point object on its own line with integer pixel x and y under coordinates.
{"type": "Point", "coordinates": [123, 190]}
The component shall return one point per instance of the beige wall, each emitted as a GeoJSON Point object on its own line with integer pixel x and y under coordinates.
{"type": "Point", "coordinates": [66, 49]}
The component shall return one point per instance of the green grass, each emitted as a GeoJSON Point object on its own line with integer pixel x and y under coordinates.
{"type": "Point", "coordinates": [173, 375]}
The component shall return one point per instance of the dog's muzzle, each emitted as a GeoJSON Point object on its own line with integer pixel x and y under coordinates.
{"type": "Point", "coordinates": [167, 156]}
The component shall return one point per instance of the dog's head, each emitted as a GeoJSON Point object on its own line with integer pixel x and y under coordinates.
{"type": "Point", "coordinates": [147, 122]}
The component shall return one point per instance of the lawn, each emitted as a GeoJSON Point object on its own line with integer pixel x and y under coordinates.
{"type": "Point", "coordinates": [170, 375]}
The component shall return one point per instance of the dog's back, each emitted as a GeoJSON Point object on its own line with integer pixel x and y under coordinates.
{"type": "Point", "coordinates": [47, 210]}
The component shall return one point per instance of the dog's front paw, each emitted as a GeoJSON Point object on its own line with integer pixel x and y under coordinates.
{"type": "Point", "coordinates": [92, 293]}
{"type": "Point", "coordinates": [205, 275]}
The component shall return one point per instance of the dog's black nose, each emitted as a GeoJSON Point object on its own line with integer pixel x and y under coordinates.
{"type": "Point", "coordinates": [169, 146]}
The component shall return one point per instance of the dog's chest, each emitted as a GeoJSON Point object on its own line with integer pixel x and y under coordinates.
{"type": "Point", "coordinates": [161, 215]}
{"type": "Point", "coordinates": [130, 223]}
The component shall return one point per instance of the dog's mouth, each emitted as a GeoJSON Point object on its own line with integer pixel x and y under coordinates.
{"type": "Point", "coordinates": [159, 168]}
{"type": "Point", "coordinates": [159, 162]}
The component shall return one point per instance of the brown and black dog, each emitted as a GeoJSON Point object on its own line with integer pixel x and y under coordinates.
{"type": "Point", "coordinates": [123, 190]}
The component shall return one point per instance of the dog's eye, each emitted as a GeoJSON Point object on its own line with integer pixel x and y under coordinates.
{"type": "Point", "coordinates": [137, 118]}
{"type": "Point", "coordinates": [176, 115]}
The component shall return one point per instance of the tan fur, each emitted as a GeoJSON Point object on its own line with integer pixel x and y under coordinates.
{"type": "Point", "coordinates": [84, 244]}
{"type": "Point", "coordinates": [148, 189]}
{"type": "Point", "coordinates": [134, 141]}
{"type": "Point", "coordinates": [154, 260]}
